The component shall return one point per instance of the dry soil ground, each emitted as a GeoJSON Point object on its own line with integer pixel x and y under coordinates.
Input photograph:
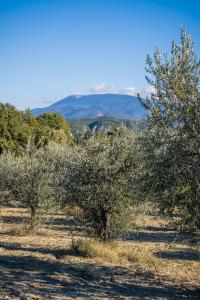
{"type": "Point", "coordinates": [41, 266]}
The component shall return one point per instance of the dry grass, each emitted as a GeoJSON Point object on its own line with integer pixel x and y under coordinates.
{"type": "Point", "coordinates": [110, 252]}
{"type": "Point", "coordinates": [43, 264]}
{"type": "Point", "coordinates": [106, 252]}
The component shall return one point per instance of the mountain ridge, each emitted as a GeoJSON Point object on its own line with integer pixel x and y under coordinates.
{"type": "Point", "coordinates": [95, 105]}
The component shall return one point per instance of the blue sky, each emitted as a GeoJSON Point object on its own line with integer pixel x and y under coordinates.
{"type": "Point", "coordinates": [50, 49]}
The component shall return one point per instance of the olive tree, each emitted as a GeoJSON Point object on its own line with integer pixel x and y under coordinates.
{"type": "Point", "coordinates": [28, 178]}
{"type": "Point", "coordinates": [171, 147]}
{"type": "Point", "coordinates": [96, 178]}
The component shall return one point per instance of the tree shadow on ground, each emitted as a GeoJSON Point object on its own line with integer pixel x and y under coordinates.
{"type": "Point", "coordinates": [159, 228]}
{"type": "Point", "coordinates": [15, 219]}
{"type": "Point", "coordinates": [72, 228]}
{"type": "Point", "coordinates": [153, 237]}
{"type": "Point", "coordinates": [22, 275]}
{"type": "Point", "coordinates": [182, 254]}
{"type": "Point", "coordinates": [57, 252]}
{"type": "Point", "coordinates": [60, 221]}
{"type": "Point", "coordinates": [57, 224]}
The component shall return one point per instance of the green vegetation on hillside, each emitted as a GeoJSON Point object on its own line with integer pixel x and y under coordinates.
{"type": "Point", "coordinates": [20, 128]}
{"type": "Point", "coordinates": [105, 123]}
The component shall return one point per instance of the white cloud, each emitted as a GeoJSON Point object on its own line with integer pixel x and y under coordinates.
{"type": "Point", "coordinates": [106, 88]}
{"type": "Point", "coordinates": [130, 91]}
{"type": "Point", "coordinates": [103, 88]}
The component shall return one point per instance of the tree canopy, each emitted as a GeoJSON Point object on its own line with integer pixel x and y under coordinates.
{"type": "Point", "coordinates": [19, 128]}
{"type": "Point", "coordinates": [96, 175]}
{"type": "Point", "coordinates": [172, 146]}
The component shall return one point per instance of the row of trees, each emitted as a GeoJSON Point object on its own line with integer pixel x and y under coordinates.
{"type": "Point", "coordinates": [93, 174]}
{"type": "Point", "coordinates": [105, 173]}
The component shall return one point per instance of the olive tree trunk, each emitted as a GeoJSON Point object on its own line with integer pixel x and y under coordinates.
{"type": "Point", "coordinates": [104, 230]}
{"type": "Point", "coordinates": [33, 218]}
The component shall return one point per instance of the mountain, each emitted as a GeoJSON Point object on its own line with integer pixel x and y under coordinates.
{"type": "Point", "coordinates": [100, 123]}
{"type": "Point", "coordinates": [92, 106]}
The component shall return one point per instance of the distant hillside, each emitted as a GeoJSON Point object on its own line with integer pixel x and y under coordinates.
{"type": "Point", "coordinates": [92, 106]}
{"type": "Point", "coordinates": [101, 123]}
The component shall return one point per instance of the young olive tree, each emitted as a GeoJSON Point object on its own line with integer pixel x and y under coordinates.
{"type": "Point", "coordinates": [172, 145]}
{"type": "Point", "coordinates": [28, 178]}
{"type": "Point", "coordinates": [97, 177]}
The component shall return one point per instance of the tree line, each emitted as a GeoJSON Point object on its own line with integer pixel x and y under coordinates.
{"type": "Point", "coordinates": [20, 128]}
{"type": "Point", "coordinates": [104, 174]}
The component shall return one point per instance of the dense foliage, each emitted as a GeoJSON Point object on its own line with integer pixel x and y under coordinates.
{"type": "Point", "coordinates": [96, 178]}
{"type": "Point", "coordinates": [18, 129]}
{"type": "Point", "coordinates": [27, 179]}
{"type": "Point", "coordinates": [13, 132]}
{"type": "Point", "coordinates": [172, 145]}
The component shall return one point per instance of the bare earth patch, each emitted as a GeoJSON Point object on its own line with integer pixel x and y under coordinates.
{"type": "Point", "coordinates": [41, 265]}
